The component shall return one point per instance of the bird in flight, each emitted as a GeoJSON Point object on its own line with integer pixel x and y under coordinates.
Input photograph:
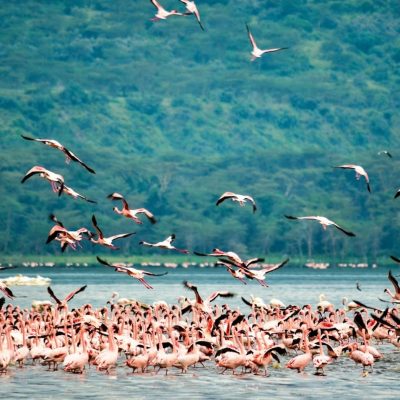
{"type": "Point", "coordinates": [138, 274]}
{"type": "Point", "coordinates": [165, 244]}
{"type": "Point", "coordinates": [325, 222]}
{"type": "Point", "coordinates": [56, 180]}
{"type": "Point", "coordinates": [241, 199]}
{"type": "Point", "coordinates": [256, 51]}
{"type": "Point", "coordinates": [162, 13]}
{"type": "Point", "coordinates": [57, 145]}
{"type": "Point", "coordinates": [107, 241]}
{"type": "Point", "coordinates": [385, 152]}
{"type": "Point", "coordinates": [360, 171]}
{"type": "Point", "coordinates": [128, 213]}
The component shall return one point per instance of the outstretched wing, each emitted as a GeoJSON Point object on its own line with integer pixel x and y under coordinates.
{"type": "Point", "coordinates": [275, 267]}
{"type": "Point", "coordinates": [71, 295]}
{"type": "Point", "coordinates": [394, 282]}
{"type": "Point", "coordinates": [33, 171]}
{"type": "Point", "coordinates": [348, 233]}
{"type": "Point", "coordinates": [190, 286]}
{"type": "Point", "coordinates": [118, 196]}
{"type": "Point", "coordinates": [153, 274]}
{"type": "Point", "coordinates": [214, 295]}
{"type": "Point", "coordinates": [225, 196]}
{"type": "Point", "coordinates": [252, 41]}
{"type": "Point", "coordinates": [395, 259]}
{"type": "Point", "coordinates": [72, 156]}
{"type": "Point", "coordinates": [94, 222]}
{"type": "Point", "coordinates": [147, 213]}
{"type": "Point", "coordinates": [51, 293]}
{"type": "Point", "coordinates": [121, 235]}
{"type": "Point", "coordinates": [104, 262]}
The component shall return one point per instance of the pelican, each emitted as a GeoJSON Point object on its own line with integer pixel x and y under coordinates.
{"type": "Point", "coordinates": [57, 145]}
{"type": "Point", "coordinates": [325, 222]}
{"type": "Point", "coordinates": [360, 171]}
{"type": "Point", "coordinates": [165, 244]}
{"type": "Point", "coordinates": [192, 9]}
{"type": "Point", "coordinates": [241, 199]}
{"type": "Point", "coordinates": [257, 52]}
{"type": "Point", "coordinates": [128, 213]}
{"type": "Point", "coordinates": [162, 13]}
{"type": "Point", "coordinates": [53, 178]}
{"type": "Point", "coordinates": [138, 274]}
{"type": "Point", "coordinates": [107, 241]}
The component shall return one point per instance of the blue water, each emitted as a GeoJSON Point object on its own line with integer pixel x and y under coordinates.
{"type": "Point", "coordinates": [292, 285]}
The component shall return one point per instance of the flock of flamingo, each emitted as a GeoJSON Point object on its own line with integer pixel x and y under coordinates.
{"type": "Point", "coordinates": [193, 332]}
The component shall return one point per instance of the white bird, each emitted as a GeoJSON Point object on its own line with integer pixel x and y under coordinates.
{"type": "Point", "coordinates": [71, 192]}
{"type": "Point", "coordinates": [165, 244]}
{"type": "Point", "coordinates": [325, 222]}
{"type": "Point", "coordinates": [257, 52]}
{"type": "Point", "coordinates": [57, 145]}
{"type": "Point", "coordinates": [192, 9]}
{"type": "Point", "coordinates": [138, 274]}
{"type": "Point", "coordinates": [162, 13]}
{"type": "Point", "coordinates": [360, 171]}
{"type": "Point", "coordinates": [241, 199]}
{"type": "Point", "coordinates": [107, 241]}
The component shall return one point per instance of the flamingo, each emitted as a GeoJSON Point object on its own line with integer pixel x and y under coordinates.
{"type": "Point", "coordinates": [396, 295]}
{"type": "Point", "coordinates": [6, 290]}
{"type": "Point", "coordinates": [192, 9]}
{"type": "Point", "coordinates": [138, 274]}
{"type": "Point", "coordinates": [162, 13]}
{"type": "Point", "coordinates": [108, 357]}
{"type": "Point", "coordinates": [385, 152]}
{"type": "Point", "coordinates": [76, 361]}
{"type": "Point", "coordinates": [132, 214]}
{"type": "Point", "coordinates": [57, 145]}
{"type": "Point", "coordinates": [241, 199]}
{"type": "Point", "coordinates": [107, 241]}
{"type": "Point", "coordinates": [325, 222]}
{"type": "Point", "coordinates": [301, 361]}
{"type": "Point", "coordinates": [360, 171]}
{"type": "Point", "coordinates": [53, 178]}
{"type": "Point", "coordinates": [165, 244]}
{"type": "Point", "coordinates": [67, 298]}
{"type": "Point", "coordinates": [321, 360]}
{"type": "Point", "coordinates": [257, 52]}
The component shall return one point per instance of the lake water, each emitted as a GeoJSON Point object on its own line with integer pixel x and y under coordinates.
{"type": "Point", "coordinates": [292, 285]}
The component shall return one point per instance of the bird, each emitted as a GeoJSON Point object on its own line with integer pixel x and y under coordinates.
{"type": "Point", "coordinates": [241, 199]}
{"type": "Point", "coordinates": [128, 213]}
{"type": "Point", "coordinates": [325, 222]}
{"type": "Point", "coordinates": [56, 180]}
{"type": "Point", "coordinates": [360, 171]}
{"type": "Point", "coordinates": [259, 275]}
{"type": "Point", "coordinates": [397, 194]}
{"type": "Point", "coordinates": [257, 52]}
{"type": "Point", "coordinates": [138, 274]}
{"type": "Point", "coordinates": [2, 268]}
{"type": "Point", "coordinates": [162, 13]}
{"type": "Point", "coordinates": [385, 152]}
{"type": "Point", "coordinates": [396, 295]}
{"type": "Point", "coordinates": [220, 253]}
{"type": "Point", "coordinates": [358, 286]}
{"type": "Point", "coordinates": [107, 241]}
{"type": "Point", "coordinates": [71, 192]}
{"type": "Point", "coordinates": [165, 244]}
{"type": "Point", "coordinates": [7, 291]}
{"type": "Point", "coordinates": [57, 145]}
{"type": "Point", "coordinates": [192, 9]}
{"type": "Point", "coordinates": [67, 298]}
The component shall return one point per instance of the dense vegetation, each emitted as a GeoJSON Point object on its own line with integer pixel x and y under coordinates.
{"type": "Point", "coordinates": [172, 116]}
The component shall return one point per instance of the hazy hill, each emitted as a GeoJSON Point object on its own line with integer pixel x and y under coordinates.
{"type": "Point", "coordinates": [172, 116]}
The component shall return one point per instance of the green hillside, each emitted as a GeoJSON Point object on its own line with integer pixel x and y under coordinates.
{"type": "Point", "coordinates": [171, 117]}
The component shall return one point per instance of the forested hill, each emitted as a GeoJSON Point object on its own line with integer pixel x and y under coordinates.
{"type": "Point", "coordinates": [171, 117]}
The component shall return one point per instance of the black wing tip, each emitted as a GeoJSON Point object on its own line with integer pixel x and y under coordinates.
{"type": "Point", "coordinates": [395, 259]}
{"type": "Point", "coordinates": [289, 216]}
{"type": "Point", "coordinates": [397, 194]}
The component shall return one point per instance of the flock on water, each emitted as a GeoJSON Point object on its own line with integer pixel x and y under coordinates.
{"type": "Point", "coordinates": [147, 338]}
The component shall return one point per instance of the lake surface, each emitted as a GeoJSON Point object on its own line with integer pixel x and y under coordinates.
{"type": "Point", "coordinates": [291, 284]}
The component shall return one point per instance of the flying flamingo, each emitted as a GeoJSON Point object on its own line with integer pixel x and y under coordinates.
{"type": "Point", "coordinates": [128, 213]}
{"type": "Point", "coordinates": [71, 192]}
{"type": "Point", "coordinates": [257, 52]}
{"type": "Point", "coordinates": [68, 297]}
{"type": "Point", "coordinates": [396, 295]}
{"type": "Point", "coordinates": [260, 275]}
{"type": "Point", "coordinates": [57, 145]}
{"type": "Point", "coordinates": [107, 241]}
{"type": "Point", "coordinates": [165, 244]}
{"type": "Point", "coordinates": [192, 9]}
{"type": "Point", "coordinates": [360, 171]}
{"type": "Point", "coordinates": [162, 13]}
{"type": "Point", "coordinates": [241, 199]}
{"type": "Point", "coordinates": [325, 222]}
{"type": "Point", "coordinates": [138, 274]}
{"type": "Point", "coordinates": [385, 152]}
{"type": "Point", "coordinates": [6, 290]}
{"type": "Point", "coordinates": [56, 180]}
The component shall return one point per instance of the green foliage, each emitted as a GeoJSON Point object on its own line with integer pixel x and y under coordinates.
{"type": "Point", "coordinates": [171, 117]}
